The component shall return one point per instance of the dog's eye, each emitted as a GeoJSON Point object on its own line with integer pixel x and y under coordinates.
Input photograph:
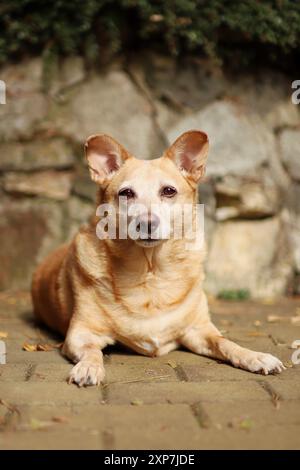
{"type": "Point", "coordinates": [168, 191]}
{"type": "Point", "coordinates": [127, 192]}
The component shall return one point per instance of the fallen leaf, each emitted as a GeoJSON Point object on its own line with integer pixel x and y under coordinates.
{"type": "Point", "coordinates": [172, 364]}
{"type": "Point", "coordinates": [60, 419]}
{"type": "Point", "coordinates": [137, 402]}
{"type": "Point", "coordinates": [257, 323]}
{"type": "Point", "coordinates": [3, 334]}
{"type": "Point", "coordinates": [257, 334]}
{"type": "Point", "coordinates": [44, 347]}
{"type": "Point", "coordinates": [31, 347]}
{"type": "Point", "coordinates": [246, 424]}
{"type": "Point", "coordinates": [36, 424]}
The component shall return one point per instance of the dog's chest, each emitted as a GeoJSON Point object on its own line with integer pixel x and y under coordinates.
{"type": "Point", "coordinates": [150, 345]}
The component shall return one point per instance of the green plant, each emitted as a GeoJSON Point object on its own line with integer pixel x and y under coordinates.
{"type": "Point", "coordinates": [221, 29]}
{"type": "Point", "coordinates": [235, 295]}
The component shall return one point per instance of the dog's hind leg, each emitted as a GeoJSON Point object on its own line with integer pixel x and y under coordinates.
{"type": "Point", "coordinates": [205, 339]}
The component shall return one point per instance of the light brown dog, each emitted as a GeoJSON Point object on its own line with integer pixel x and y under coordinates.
{"type": "Point", "coordinates": [146, 292]}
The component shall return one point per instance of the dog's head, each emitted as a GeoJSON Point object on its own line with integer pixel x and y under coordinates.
{"type": "Point", "coordinates": [147, 195]}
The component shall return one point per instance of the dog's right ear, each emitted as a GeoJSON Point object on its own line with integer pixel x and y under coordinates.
{"type": "Point", "coordinates": [105, 156]}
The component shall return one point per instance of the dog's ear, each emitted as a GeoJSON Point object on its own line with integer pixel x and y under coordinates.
{"type": "Point", "coordinates": [189, 153]}
{"type": "Point", "coordinates": [105, 156]}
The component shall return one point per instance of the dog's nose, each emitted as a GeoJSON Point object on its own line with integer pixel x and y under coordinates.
{"type": "Point", "coordinates": [147, 224]}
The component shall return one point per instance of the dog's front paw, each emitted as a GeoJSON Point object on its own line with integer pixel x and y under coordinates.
{"type": "Point", "coordinates": [261, 363]}
{"type": "Point", "coordinates": [87, 373]}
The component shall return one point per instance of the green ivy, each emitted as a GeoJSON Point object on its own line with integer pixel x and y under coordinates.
{"type": "Point", "coordinates": [215, 28]}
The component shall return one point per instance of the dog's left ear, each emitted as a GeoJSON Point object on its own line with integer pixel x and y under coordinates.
{"type": "Point", "coordinates": [189, 153]}
{"type": "Point", "coordinates": [105, 156]}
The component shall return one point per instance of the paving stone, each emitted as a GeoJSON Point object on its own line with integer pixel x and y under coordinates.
{"type": "Point", "coordinates": [153, 372]}
{"type": "Point", "coordinates": [35, 393]}
{"type": "Point", "coordinates": [51, 372]}
{"type": "Point", "coordinates": [145, 426]}
{"type": "Point", "coordinates": [50, 440]}
{"type": "Point", "coordinates": [184, 392]}
{"type": "Point", "coordinates": [14, 372]}
{"type": "Point", "coordinates": [180, 400]}
{"type": "Point", "coordinates": [178, 357]}
{"type": "Point", "coordinates": [250, 415]}
{"type": "Point", "coordinates": [218, 371]}
{"type": "Point", "coordinates": [35, 357]}
{"type": "Point", "coordinates": [269, 438]}
{"type": "Point", "coordinates": [288, 390]}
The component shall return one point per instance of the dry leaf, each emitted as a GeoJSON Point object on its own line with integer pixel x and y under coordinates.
{"type": "Point", "coordinates": [257, 323]}
{"type": "Point", "coordinates": [29, 347]}
{"type": "Point", "coordinates": [246, 424]}
{"type": "Point", "coordinates": [60, 419]}
{"type": "Point", "coordinates": [44, 347]}
{"type": "Point", "coordinates": [137, 402]}
{"type": "Point", "coordinates": [41, 347]}
{"type": "Point", "coordinates": [257, 334]}
{"type": "Point", "coordinates": [36, 424]}
{"type": "Point", "coordinates": [172, 364]}
{"type": "Point", "coordinates": [3, 334]}
{"type": "Point", "coordinates": [288, 364]}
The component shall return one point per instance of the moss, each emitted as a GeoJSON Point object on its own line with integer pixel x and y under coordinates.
{"type": "Point", "coordinates": [221, 29]}
{"type": "Point", "coordinates": [235, 295]}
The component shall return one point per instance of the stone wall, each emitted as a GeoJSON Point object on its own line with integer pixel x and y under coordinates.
{"type": "Point", "coordinates": [252, 189]}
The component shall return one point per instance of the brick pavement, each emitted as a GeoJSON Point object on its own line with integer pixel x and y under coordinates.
{"type": "Point", "coordinates": [178, 401]}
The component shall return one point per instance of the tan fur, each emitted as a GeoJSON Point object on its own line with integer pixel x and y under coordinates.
{"type": "Point", "coordinates": [97, 292]}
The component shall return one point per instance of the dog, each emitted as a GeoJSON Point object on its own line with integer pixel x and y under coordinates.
{"type": "Point", "coordinates": [145, 292]}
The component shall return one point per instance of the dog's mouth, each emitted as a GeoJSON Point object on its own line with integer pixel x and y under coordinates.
{"type": "Point", "coordinates": [148, 242]}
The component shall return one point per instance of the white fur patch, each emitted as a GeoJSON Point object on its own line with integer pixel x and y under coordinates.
{"type": "Point", "coordinates": [261, 362]}
{"type": "Point", "coordinates": [87, 373]}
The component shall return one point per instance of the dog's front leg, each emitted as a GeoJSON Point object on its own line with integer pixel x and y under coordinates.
{"type": "Point", "coordinates": [84, 348]}
{"type": "Point", "coordinates": [206, 339]}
